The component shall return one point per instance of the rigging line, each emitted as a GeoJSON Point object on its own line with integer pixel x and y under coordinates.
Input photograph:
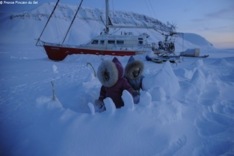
{"type": "Point", "coordinates": [151, 12]}
{"type": "Point", "coordinates": [112, 6]}
{"type": "Point", "coordinates": [72, 20]}
{"type": "Point", "coordinates": [149, 8]}
{"type": "Point", "coordinates": [116, 30]}
{"type": "Point", "coordinates": [149, 5]}
{"type": "Point", "coordinates": [47, 22]}
{"type": "Point", "coordinates": [152, 9]}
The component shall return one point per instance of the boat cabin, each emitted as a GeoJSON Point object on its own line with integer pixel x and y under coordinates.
{"type": "Point", "coordinates": [123, 41]}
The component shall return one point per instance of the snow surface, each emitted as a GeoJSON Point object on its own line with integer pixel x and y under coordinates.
{"type": "Point", "coordinates": [186, 108]}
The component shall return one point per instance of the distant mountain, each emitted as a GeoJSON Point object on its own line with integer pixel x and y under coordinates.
{"type": "Point", "coordinates": [25, 27]}
{"type": "Point", "coordinates": [66, 12]}
{"type": "Point", "coordinates": [196, 39]}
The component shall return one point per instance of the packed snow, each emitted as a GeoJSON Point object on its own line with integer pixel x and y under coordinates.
{"type": "Point", "coordinates": [185, 108]}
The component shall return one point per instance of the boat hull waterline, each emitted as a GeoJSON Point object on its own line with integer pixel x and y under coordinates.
{"type": "Point", "coordinates": [59, 53]}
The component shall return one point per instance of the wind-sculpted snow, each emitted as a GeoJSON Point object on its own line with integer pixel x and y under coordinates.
{"type": "Point", "coordinates": [187, 108]}
{"type": "Point", "coordinates": [164, 80]}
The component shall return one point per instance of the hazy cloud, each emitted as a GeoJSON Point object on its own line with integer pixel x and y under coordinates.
{"type": "Point", "coordinates": [225, 13]}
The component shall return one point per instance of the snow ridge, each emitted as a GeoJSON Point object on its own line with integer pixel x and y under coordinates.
{"type": "Point", "coordinates": [66, 12]}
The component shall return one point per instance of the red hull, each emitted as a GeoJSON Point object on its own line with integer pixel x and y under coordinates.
{"type": "Point", "coordinates": [59, 53]}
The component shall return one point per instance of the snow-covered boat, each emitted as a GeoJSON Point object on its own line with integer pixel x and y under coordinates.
{"type": "Point", "coordinates": [104, 44]}
{"type": "Point", "coordinates": [125, 44]}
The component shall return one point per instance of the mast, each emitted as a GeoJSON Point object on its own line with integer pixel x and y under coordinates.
{"type": "Point", "coordinates": [109, 25]}
{"type": "Point", "coordinates": [107, 17]}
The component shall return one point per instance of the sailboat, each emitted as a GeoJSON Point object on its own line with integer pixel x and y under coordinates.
{"type": "Point", "coordinates": [125, 44]}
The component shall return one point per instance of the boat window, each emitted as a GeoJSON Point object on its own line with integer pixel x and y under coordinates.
{"type": "Point", "coordinates": [111, 41]}
{"type": "Point", "coordinates": [95, 42]}
{"type": "Point", "coordinates": [120, 42]}
{"type": "Point", "coordinates": [102, 42]}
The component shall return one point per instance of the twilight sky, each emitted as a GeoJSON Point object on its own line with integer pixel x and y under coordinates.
{"type": "Point", "coordinates": [213, 19]}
